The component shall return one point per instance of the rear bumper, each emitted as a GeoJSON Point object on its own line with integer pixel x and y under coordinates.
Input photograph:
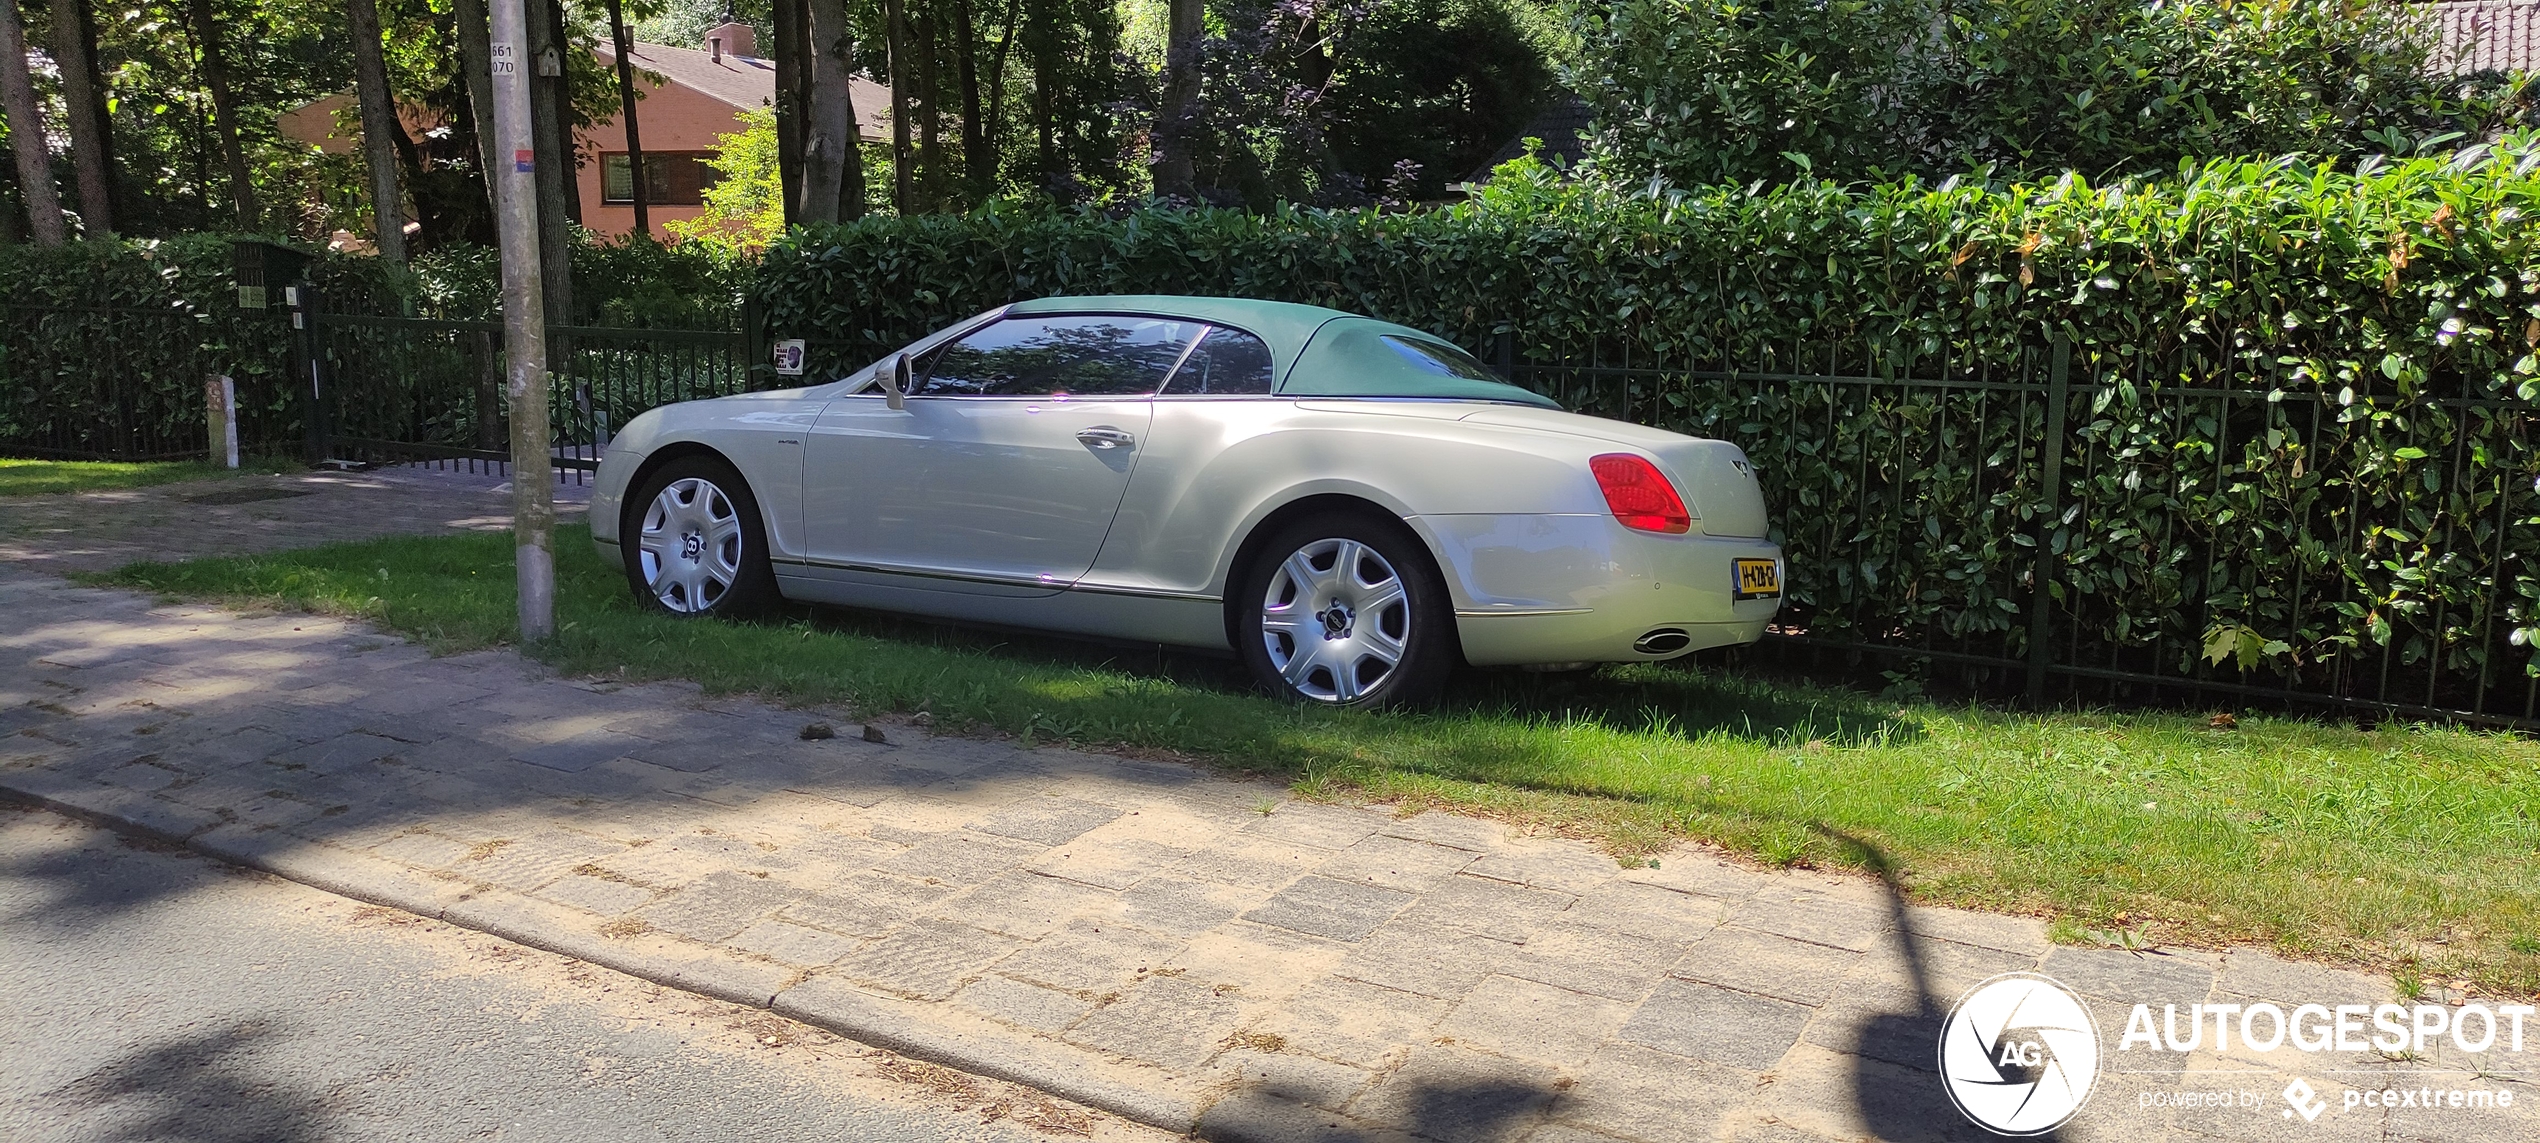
{"type": "Point", "coordinates": [1584, 589]}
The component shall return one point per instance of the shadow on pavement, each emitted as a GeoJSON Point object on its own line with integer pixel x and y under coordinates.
{"type": "Point", "coordinates": [1896, 1085]}
{"type": "Point", "coordinates": [1481, 1112]}
{"type": "Point", "coordinates": [207, 1087]}
{"type": "Point", "coordinates": [79, 896]}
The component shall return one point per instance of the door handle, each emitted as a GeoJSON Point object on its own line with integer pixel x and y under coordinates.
{"type": "Point", "coordinates": [1107, 438]}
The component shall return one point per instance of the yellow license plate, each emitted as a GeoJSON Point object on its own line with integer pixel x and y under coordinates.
{"type": "Point", "coordinates": [1758, 579]}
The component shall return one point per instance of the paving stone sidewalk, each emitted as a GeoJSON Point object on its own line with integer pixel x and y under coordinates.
{"type": "Point", "coordinates": [95, 531]}
{"type": "Point", "coordinates": [1189, 951]}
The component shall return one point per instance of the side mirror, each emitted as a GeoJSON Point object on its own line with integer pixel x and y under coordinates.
{"type": "Point", "coordinates": [895, 390]}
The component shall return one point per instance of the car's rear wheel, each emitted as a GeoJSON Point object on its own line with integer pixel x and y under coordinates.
{"type": "Point", "coordinates": [1345, 610]}
{"type": "Point", "coordinates": [695, 544]}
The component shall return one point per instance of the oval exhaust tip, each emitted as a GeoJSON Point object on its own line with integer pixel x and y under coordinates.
{"type": "Point", "coordinates": [1663, 641]}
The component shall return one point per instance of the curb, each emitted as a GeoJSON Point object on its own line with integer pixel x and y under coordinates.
{"type": "Point", "coordinates": [975, 1046]}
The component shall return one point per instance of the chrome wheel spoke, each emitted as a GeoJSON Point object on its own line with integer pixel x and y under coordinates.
{"type": "Point", "coordinates": [1303, 574]}
{"type": "Point", "coordinates": [1345, 679]}
{"type": "Point", "coordinates": [1300, 666]}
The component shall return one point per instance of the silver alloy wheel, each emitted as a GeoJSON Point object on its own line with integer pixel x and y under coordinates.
{"type": "Point", "coordinates": [691, 545]}
{"type": "Point", "coordinates": [1335, 619]}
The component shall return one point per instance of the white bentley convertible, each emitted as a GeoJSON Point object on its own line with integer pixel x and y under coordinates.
{"type": "Point", "coordinates": [1353, 507]}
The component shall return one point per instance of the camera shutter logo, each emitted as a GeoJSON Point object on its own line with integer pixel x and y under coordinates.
{"type": "Point", "coordinates": [2019, 1054]}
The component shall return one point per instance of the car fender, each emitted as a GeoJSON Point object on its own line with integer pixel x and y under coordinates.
{"type": "Point", "coordinates": [759, 434]}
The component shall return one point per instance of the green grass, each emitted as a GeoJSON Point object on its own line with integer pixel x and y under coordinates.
{"type": "Point", "coordinates": [2411, 849]}
{"type": "Point", "coordinates": [44, 477]}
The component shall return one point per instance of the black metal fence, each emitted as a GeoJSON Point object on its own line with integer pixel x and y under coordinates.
{"type": "Point", "coordinates": [105, 384]}
{"type": "Point", "coordinates": [401, 390]}
{"type": "Point", "coordinates": [2130, 527]}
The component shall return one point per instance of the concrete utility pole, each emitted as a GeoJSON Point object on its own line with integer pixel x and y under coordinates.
{"type": "Point", "coordinates": [524, 326]}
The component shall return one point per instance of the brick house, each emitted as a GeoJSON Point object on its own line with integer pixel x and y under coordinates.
{"type": "Point", "coordinates": [688, 97]}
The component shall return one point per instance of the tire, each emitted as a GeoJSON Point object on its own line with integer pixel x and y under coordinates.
{"type": "Point", "coordinates": [695, 543]}
{"type": "Point", "coordinates": [1345, 610]}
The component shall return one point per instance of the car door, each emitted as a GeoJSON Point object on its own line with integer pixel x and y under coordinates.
{"type": "Point", "coordinates": [1216, 400]}
{"type": "Point", "coordinates": [1005, 467]}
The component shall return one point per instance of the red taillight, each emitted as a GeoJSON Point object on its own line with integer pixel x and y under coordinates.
{"type": "Point", "coordinates": [1639, 494]}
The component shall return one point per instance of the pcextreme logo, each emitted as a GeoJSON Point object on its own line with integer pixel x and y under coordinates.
{"type": "Point", "coordinates": [2019, 1054]}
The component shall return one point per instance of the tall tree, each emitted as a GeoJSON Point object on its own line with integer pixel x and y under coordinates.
{"type": "Point", "coordinates": [1177, 119]}
{"type": "Point", "coordinates": [978, 170]}
{"type": "Point", "coordinates": [895, 44]}
{"type": "Point", "coordinates": [833, 172]}
{"type": "Point", "coordinates": [995, 117]}
{"type": "Point", "coordinates": [1040, 33]}
{"type": "Point", "coordinates": [84, 107]}
{"type": "Point", "coordinates": [551, 135]}
{"type": "Point", "coordinates": [380, 129]}
{"type": "Point", "coordinates": [793, 99]}
{"type": "Point", "coordinates": [623, 41]}
{"type": "Point", "coordinates": [242, 185]}
{"type": "Point", "coordinates": [559, 88]}
{"type": "Point", "coordinates": [476, 64]}
{"type": "Point", "coordinates": [926, 42]}
{"type": "Point", "coordinates": [25, 119]}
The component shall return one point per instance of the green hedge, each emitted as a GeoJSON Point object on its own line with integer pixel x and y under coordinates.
{"type": "Point", "coordinates": [124, 330]}
{"type": "Point", "coordinates": [2327, 519]}
{"type": "Point", "coordinates": [129, 383]}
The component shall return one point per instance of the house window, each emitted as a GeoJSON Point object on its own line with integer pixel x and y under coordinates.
{"type": "Point", "coordinates": [671, 178]}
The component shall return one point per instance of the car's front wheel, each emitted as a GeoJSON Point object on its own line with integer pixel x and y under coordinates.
{"type": "Point", "coordinates": [694, 542]}
{"type": "Point", "coordinates": [1345, 610]}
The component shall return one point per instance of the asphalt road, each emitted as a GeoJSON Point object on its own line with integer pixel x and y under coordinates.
{"type": "Point", "coordinates": [150, 994]}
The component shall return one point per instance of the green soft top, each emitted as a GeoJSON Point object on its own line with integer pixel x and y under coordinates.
{"type": "Point", "coordinates": [1318, 352]}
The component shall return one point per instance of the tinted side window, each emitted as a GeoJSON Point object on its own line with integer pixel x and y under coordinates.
{"type": "Point", "coordinates": [1090, 356]}
{"type": "Point", "coordinates": [1228, 361]}
{"type": "Point", "coordinates": [1441, 360]}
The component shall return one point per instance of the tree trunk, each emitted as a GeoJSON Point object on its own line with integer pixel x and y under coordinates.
{"type": "Point", "coordinates": [560, 90]}
{"type": "Point", "coordinates": [930, 107]}
{"type": "Point", "coordinates": [379, 127]}
{"type": "Point", "coordinates": [829, 135]}
{"type": "Point", "coordinates": [1045, 67]}
{"type": "Point", "coordinates": [895, 29]}
{"type": "Point", "coordinates": [476, 63]}
{"type": "Point", "coordinates": [26, 126]}
{"type": "Point", "coordinates": [551, 137]}
{"type": "Point", "coordinates": [1177, 120]}
{"type": "Point", "coordinates": [84, 104]}
{"type": "Point", "coordinates": [625, 44]}
{"type": "Point", "coordinates": [974, 131]}
{"type": "Point", "coordinates": [994, 128]}
{"type": "Point", "coordinates": [242, 186]}
{"type": "Point", "coordinates": [793, 34]}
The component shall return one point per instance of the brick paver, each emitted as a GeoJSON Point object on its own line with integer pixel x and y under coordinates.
{"type": "Point", "coordinates": [1123, 932]}
{"type": "Point", "coordinates": [95, 531]}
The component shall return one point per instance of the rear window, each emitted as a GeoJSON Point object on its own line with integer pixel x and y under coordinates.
{"type": "Point", "coordinates": [1362, 357]}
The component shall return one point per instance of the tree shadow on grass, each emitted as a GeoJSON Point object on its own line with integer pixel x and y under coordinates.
{"type": "Point", "coordinates": [1672, 700]}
